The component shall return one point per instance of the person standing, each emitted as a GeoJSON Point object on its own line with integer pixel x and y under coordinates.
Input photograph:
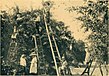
{"type": "Point", "coordinates": [23, 63]}
{"type": "Point", "coordinates": [33, 66]}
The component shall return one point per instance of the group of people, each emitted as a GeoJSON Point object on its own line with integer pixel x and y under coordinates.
{"type": "Point", "coordinates": [33, 65]}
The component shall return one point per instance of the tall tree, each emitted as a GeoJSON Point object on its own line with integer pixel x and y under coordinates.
{"type": "Point", "coordinates": [94, 17]}
{"type": "Point", "coordinates": [28, 24]}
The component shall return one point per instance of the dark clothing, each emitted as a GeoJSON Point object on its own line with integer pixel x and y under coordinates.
{"type": "Point", "coordinates": [33, 74]}
{"type": "Point", "coordinates": [24, 70]}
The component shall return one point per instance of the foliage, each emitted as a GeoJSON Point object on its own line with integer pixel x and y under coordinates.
{"type": "Point", "coordinates": [94, 17]}
{"type": "Point", "coordinates": [27, 25]}
{"type": "Point", "coordinates": [6, 30]}
{"type": "Point", "coordinates": [77, 52]}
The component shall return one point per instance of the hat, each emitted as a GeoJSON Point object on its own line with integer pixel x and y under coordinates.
{"type": "Point", "coordinates": [32, 54]}
{"type": "Point", "coordinates": [23, 55]}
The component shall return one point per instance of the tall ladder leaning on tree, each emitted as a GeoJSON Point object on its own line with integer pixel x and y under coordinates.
{"type": "Point", "coordinates": [53, 45]}
{"type": "Point", "coordinates": [40, 51]}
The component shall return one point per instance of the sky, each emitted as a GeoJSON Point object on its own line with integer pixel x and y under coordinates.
{"type": "Point", "coordinates": [58, 11]}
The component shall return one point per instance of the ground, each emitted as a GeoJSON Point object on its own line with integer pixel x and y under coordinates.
{"type": "Point", "coordinates": [78, 71]}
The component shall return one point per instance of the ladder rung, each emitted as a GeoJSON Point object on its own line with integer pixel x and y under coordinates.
{"type": "Point", "coordinates": [42, 67]}
{"type": "Point", "coordinates": [51, 33]}
{"type": "Point", "coordinates": [45, 43]}
{"type": "Point", "coordinates": [56, 54]}
{"type": "Point", "coordinates": [57, 57]}
{"type": "Point", "coordinates": [37, 34]}
{"type": "Point", "coordinates": [55, 51]}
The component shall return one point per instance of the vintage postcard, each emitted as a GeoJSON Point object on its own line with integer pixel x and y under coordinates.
{"type": "Point", "coordinates": [54, 37]}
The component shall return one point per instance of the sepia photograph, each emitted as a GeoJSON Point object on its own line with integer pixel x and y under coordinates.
{"type": "Point", "coordinates": [54, 38]}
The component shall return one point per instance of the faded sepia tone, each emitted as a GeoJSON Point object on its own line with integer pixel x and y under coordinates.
{"type": "Point", "coordinates": [59, 12]}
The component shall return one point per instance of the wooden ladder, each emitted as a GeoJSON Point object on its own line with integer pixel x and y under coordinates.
{"type": "Point", "coordinates": [11, 57]}
{"type": "Point", "coordinates": [40, 54]}
{"type": "Point", "coordinates": [53, 46]}
{"type": "Point", "coordinates": [87, 69]}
